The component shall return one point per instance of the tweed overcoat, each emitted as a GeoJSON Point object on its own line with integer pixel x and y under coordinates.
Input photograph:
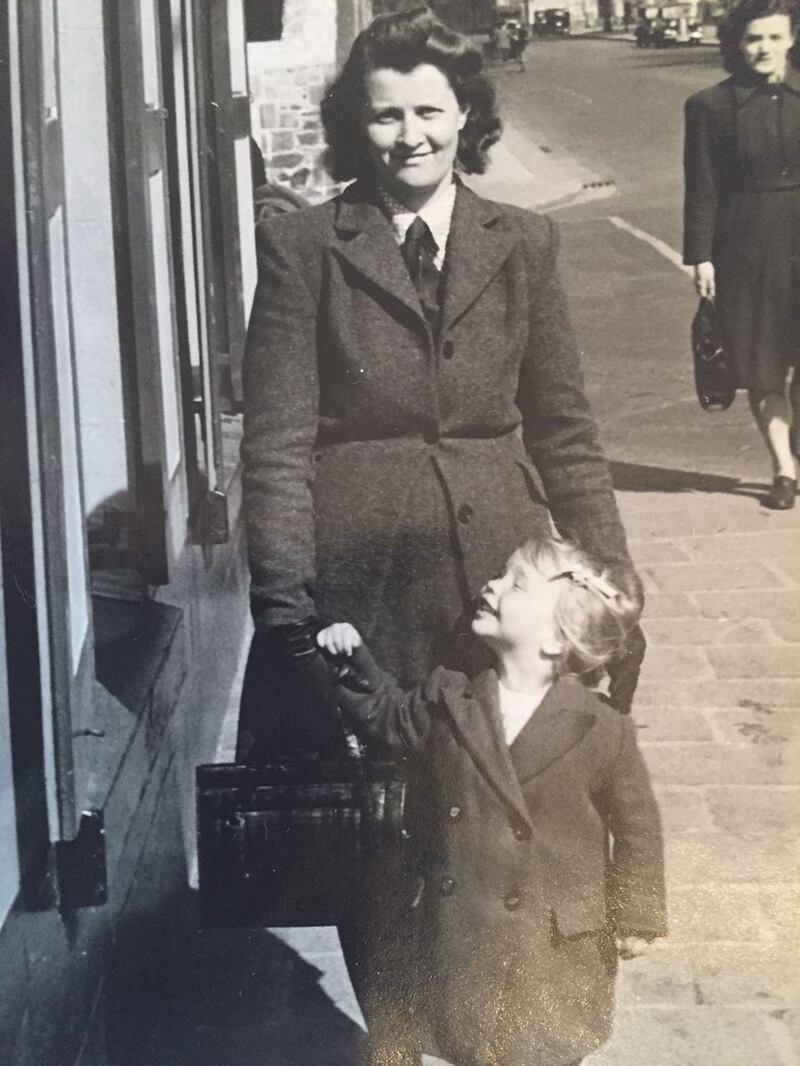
{"type": "Point", "coordinates": [742, 212]}
{"type": "Point", "coordinates": [364, 426]}
{"type": "Point", "coordinates": [531, 859]}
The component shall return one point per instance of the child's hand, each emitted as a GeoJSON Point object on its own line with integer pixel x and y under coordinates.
{"type": "Point", "coordinates": [339, 639]}
{"type": "Point", "coordinates": [631, 947]}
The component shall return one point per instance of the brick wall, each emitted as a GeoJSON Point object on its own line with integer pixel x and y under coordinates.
{"type": "Point", "coordinates": [287, 82]}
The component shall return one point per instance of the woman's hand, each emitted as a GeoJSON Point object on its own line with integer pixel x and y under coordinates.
{"type": "Point", "coordinates": [339, 639]}
{"type": "Point", "coordinates": [631, 947]}
{"type": "Point", "coordinates": [705, 281]}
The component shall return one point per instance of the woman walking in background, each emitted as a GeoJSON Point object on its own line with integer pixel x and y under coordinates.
{"type": "Point", "coordinates": [742, 219]}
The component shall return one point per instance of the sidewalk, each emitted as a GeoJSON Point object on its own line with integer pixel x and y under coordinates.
{"type": "Point", "coordinates": [710, 40]}
{"type": "Point", "coordinates": [524, 175]}
{"type": "Point", "coordinates": [719, 713]}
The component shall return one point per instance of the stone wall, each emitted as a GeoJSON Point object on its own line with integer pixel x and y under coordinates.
{"type": "Point", "coordinates": [287, 82]}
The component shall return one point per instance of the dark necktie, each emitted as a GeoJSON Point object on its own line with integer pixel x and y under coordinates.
{"type": "Point", "coordinates": [419, 251]}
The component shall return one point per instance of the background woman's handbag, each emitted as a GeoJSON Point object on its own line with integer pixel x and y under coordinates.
{"type": "Point", "coordinates": [713, 374]}
{"type": "Point", "coordinates": [287, 843]}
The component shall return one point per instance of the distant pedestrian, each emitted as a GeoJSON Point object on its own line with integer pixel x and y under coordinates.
{"type": "Point", "coordinates": [519, 42]}
{"type": "Point", "coordinates": [540, 858]}
{"type": "Point", "coordinates": [503, 42]}
{"type": "Point", "coordinates": [742, 219]}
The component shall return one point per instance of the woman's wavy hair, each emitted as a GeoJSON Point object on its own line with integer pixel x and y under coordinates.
{"type": "Point", "coordinates": [596, 610]}
{"type": "Point", "coordinates": [732, 29]}
{"type": "Point", "coordinates": [402, 41]}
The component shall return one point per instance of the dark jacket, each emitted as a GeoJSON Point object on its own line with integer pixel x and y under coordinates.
{"type": "Point", "coordinates": [715, 168]}
{"type": "Point", "coordinates": [532, 859]}
{"type": "Point", "coordinates": [352, 401]}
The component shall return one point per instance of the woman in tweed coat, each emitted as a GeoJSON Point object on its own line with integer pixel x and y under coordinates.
{"type": "Point", "coordinates": [394, 453]}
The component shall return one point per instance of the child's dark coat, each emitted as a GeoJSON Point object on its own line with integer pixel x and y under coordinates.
{"type": "Point", "coordinates": [523, 889]}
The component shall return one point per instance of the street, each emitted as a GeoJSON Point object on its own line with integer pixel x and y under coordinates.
{"type": "Point", "coordinates": [719, 701]}
{"type": "Point", "coordinates": [614, 113]}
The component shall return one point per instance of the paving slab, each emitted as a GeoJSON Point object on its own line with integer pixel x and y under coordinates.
{"type": "Point", "coordinates": [689, 1037]}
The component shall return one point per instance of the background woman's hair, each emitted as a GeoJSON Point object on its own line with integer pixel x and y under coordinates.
{"type": "Point", "coordinates": [403, 41]}
{"type": "Point", "coordinates": [732, 29]}
{"type": "Point", "coordinates": [594, 628]}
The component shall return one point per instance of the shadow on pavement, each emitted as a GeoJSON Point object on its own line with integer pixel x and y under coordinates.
{"type": "Point", "coordinates": [224, 997]}
{"type": "Point", "coordinates": [637, 477]}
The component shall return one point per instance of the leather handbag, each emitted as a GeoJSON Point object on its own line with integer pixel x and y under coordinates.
{"type": "Point", "coordinates": [288, 843]}
{"type": "Point", "coordinates": [713, 374]}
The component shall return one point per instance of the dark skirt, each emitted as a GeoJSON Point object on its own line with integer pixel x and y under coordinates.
{"type": "Point", "coordinates": [757, 260]}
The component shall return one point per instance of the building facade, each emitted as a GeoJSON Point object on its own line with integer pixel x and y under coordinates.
{"type": "Point", "coordinates": [290, 60]}
{"type": "Point", "coordinates": [128, 269]}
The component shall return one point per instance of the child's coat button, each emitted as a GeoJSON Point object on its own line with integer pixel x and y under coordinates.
{"type": "Point", "coordinates": [454, 813]}
{"type": "Point", "coordinates": [447, 886]}
{"type": "Point", "coordinates": [465, 513]}
{"type": "Point", "coordinates": [521, 832]}
{"type": "Point", "coordinates": [512, 901]}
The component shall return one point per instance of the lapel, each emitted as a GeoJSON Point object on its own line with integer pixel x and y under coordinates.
{"type": "Point", "coordinates": [365, 238]}
{"type": "Point", "coordinates": [476, 715]}
{"type": "Point", "coordinates": [744, 86]}
{"type": "Point", "coordinates": [478, 245]}
{"type": "Point", "coordinates": [480, 241]}
{"type": "Point", "coordinates": [560, 722]}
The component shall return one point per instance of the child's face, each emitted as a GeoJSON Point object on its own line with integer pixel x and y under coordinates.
{"type": "Point", "coordinates": [516, 611]}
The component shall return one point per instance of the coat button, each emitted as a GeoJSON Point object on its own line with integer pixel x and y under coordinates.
{"type": "Point", "coordinates": [521, 832]}
{"type": "Point", "coordinates": [465, 513]}
{"type": "Point", "coordinates": [431, 435]}
{"type": "Point", "coordinates": [512, 901]}
{"type": "Point", "coordinates": [447, 886]}
{"type": "Point", "coordinates": [454, 813]}
{"type": "Point", "coordinates": [447, 349]}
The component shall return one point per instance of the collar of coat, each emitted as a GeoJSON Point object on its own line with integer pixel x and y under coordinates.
{"type": "Point", "coordinates": [561, 720]}
{"type": "Point", "coordinates": [481, 239]}
{"type": "Point", "coordinates": [745, 85]}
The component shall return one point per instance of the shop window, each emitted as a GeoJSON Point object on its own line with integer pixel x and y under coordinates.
{"type": "Point", "coordinates": [263, 20]}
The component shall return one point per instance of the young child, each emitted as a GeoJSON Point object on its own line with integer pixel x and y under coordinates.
{"type": "Point", "coordinates": [540, 856]}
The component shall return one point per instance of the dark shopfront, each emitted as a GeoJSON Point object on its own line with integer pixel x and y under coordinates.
{"type": "Point", "coordinates": [125, 159]}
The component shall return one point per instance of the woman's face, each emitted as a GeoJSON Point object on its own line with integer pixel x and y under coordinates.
{"type": "Point", "coordinates": [765, 44]}
{"type": "Point", "coordinates": [412, 125]}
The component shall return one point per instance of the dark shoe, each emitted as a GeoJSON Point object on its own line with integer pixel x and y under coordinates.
{"type": "Point", "coordinates": [782, 494]}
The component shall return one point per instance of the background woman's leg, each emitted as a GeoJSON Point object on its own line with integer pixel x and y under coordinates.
{"type": "Point", "coordinates": [772, 414]}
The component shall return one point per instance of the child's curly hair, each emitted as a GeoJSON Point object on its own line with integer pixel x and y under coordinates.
{"type": "Point", "coordinates": [597, 609]}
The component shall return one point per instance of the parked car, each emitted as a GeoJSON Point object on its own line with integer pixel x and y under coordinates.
{"type": "Point", "coordinates": [556, 22]}
{"type": "Point", "coordinates": [659, 32]}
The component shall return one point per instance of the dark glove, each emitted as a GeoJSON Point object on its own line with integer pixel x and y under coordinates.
{"type": "Point", "coordinates": [304, 686]}
{"type": "Point", "coordinates": [294, 644]}
{"type": "Point", "coordinates": [623, 672]}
